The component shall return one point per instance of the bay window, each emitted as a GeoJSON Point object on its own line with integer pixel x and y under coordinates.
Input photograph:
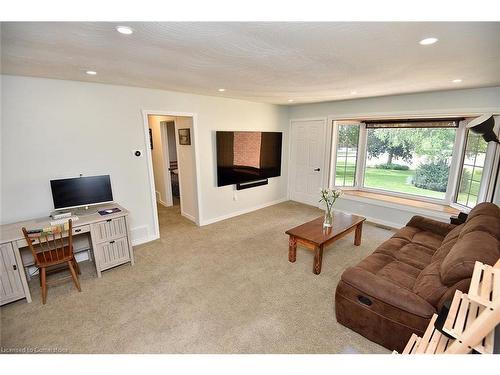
{"type": "Point", "coordinates": [410, 157]}
{"type": "Point", "coordinates": [434, 160]}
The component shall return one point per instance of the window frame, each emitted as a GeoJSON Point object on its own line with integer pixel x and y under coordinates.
{"type": "Point", "coordinates": [491, 162]}
{"type": "Point", "coordinates": [333, 157]}
{"type": "Point", "coordinates": [456, 164]}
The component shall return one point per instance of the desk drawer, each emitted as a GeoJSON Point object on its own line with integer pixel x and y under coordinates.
{"type": "Point", "coordinates": [109, 230]}
{"type": "Point", "coordinates": [112, 253]}
{"type": "Point", "coordinates": [78, 230]}
{"type": "Point", "coordinates": [81, 229]}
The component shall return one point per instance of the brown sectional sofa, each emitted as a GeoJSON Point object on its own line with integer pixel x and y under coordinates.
{"type": "Point", "coordinates": [393, 292]}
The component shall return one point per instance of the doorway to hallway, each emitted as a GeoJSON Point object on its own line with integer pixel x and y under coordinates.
{"type": "Point", "coordinates": [173, 166]}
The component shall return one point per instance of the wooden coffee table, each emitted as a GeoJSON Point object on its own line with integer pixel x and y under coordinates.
{"type": "Point", "coordinates": [313, 236]}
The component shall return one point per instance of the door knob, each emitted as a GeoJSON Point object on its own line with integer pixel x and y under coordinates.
{"type": "Point", "coordinates": [317, 170]}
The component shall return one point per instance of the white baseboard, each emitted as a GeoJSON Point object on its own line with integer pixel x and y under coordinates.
{"type": "Point", "coordinates": [140, 241]}
{"type": "Point", "coordinates": [241, 212]}
{"type": "Point", "coordinates": [160, 201]}
{"type": "Point", "coordinates": [164, 204]}
{"type": "Point", "coordinates": [189, 217]}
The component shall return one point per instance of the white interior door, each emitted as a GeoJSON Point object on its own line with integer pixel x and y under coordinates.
{"type": "Point", "coordinates": [307, 160]}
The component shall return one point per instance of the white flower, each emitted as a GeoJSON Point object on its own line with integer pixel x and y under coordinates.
{"type": "Point", "coordinates": [329, 196]}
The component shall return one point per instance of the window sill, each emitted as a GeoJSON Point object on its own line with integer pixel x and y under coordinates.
{"type": "Point", "coordinates": [406, 204]}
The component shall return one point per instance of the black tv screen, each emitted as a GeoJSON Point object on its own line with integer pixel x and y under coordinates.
{"type": "Point", "coordinates": [244, 156]}
{"type": "Point", "coordinates": [81, 191]}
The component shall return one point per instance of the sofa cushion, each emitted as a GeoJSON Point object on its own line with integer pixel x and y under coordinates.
{"type": "Point", "coordinates": [429, 240]}
{"type": "Point", "coordinates": [414, 235]}
{"type": "Point", "coordinates": [430, 225]}
{"type": "Point", "coordinates": [402, 258]}
{"type": "Point", "coordinates": [428, 284]}
{"type": "Point", "coordinates": [448, 242]}
{"type": "Point", "coordinates": [443, 250]}
{"type": "Point", "coordinates": [472, 247]}
{"type": "Point", "coordinates": [415, 255]}
{"type": "Point", "coordinates": [401, 274]}
{"type": "Point", "coordinates": [485, 208]}
{"type": "Point", "coordinates": [375, 262]}
{"type": "Point", "coordinates": [406, 233]}
{"type": "Point", "coordinates": [483, 223]}
{"type": "Point", "coordinates": [387, 267]}
{"type": "Point", "coordinates": [392, 246]}
{"type": "Point", "coordinates": [453, 234]}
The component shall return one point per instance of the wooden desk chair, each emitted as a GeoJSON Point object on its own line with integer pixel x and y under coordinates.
{"type": "Point", "coordinates": [50, 250]}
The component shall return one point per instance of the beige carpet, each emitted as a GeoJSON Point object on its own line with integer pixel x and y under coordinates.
{"type": "Point", "coordinates": [223, 288]}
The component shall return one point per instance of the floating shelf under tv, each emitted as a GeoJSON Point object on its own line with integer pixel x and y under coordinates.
{"type": "Point", "coordinates": [251, 184]}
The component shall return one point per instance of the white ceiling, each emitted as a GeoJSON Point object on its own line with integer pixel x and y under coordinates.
{"type": "Point", "coordinates": [264, 62]}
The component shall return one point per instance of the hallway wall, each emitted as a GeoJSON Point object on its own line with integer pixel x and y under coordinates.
{"type": "Point", "coordinates": [160, 167]}
{"type": "Point", "coordinates": [187, 170]}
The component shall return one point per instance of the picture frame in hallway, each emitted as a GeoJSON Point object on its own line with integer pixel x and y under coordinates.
{"type": "Point", "coordinates": [185, 136]}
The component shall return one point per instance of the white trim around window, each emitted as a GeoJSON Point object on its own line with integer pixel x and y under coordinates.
{"type": "Point", "coordinates": [495, 165]}
{"type": "Point", "coordinates": [456, 161]}
{"type": "Point", "coordinates": [333, 152]}
{"type": "Point", "coordinates": [492, 161]}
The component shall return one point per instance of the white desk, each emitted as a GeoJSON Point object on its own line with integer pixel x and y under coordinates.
{"type": "Point", "coordinates": [109, 238]}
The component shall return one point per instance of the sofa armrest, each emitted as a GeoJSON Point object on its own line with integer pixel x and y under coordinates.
{"type": "Point", "coordinates": [382, 289]}
{"type": "Point", "coordinates": [430, 225]}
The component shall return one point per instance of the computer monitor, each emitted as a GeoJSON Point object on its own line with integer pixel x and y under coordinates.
{"type": "Point", "coordinates": [81, 192]}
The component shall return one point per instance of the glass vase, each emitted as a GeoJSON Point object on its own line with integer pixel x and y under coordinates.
{"type": "Point", "coordinates": [328, 221]}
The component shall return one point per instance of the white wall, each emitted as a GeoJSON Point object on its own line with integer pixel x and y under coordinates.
{"type": "Point", "coordinates": [444, 102]}
{"type": "Point", "coordinates": [57, 128]}
{"type": "Point", "coordinates": [187, 170]}
{"type": "Point", "coordinates": [439, 102]}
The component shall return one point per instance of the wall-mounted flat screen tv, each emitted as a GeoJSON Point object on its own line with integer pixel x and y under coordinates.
{"type": "Point", "coordinates": [244, 156]}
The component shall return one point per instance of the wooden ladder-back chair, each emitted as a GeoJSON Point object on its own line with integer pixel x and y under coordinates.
{"type": "Point", "coordinates": [49, 249]}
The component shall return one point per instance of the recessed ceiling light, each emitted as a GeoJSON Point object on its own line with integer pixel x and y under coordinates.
{"type": "Point", "coordinates": [290, 100]}
{"type": "Point", "coordinates": [124, 30]}
{"type": "Point", "coordinates": [354, 92]}
{"type": "Point", "coordinates": [458, 80]}
{"type": "Point", "coordinates": [221, 90]}
{"type": "Point", "coordinates": [428, 41]}
{"type": "Point", "coordinates": [91, 72]}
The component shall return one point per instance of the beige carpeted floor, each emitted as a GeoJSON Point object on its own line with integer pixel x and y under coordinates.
{"type": "Point", "coordinates": [223, 288]}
